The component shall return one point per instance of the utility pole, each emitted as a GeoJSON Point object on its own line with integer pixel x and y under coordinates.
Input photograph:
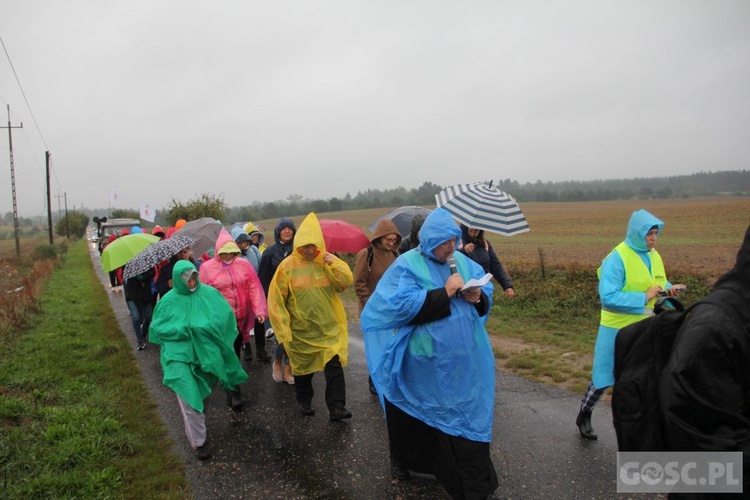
{"type": "Point", "coordinates": [67, 227]}
{"type": "Point", "coordinates": [13, 184]}
{"type": "Point", "coordinates": [49, 200]}
{"type": "Point", "coordinates": [59, 210]}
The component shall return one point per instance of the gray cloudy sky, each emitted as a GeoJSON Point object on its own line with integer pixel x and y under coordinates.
{"type": "Point", "coordinates": [257, 100]}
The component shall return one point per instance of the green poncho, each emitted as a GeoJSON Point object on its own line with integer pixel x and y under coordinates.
{"type": "Point", "coordinates": [196, 331]}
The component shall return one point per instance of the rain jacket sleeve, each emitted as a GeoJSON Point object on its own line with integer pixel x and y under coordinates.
{"type": "Point", "coordinates": [196, 331]}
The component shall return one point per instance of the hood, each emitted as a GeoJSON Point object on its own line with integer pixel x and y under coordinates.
{"type": "Point", "coordinates": [285, 222]}
{"type": "Point", "coordinates": [252, 229]}
{"type": "Point", "coordinates": [136, 230]}
{"type": "Point", "coordinates": [125, 232]}
{"type": "Point", "coordinates": [438, 228]}
{"type": "Point", "coordinates": [112, 237]}
{"type": "Point", "coordinates": [416, 225]}
{"type": "Point", "coordinates": [223, 239]}
{"type": "Point", "coordinates": [179, 223]}
{"type": "Point", "coordinates": [237, 234]}
{"type": "Point", "coordinates": [384, 228]}
{"type": "Point", "coordinates": [171, 231]}
{"type": "Point", "coordinates": [157, 230]}
{"type": "Point", "coordinates": [310, 232]}
{"type": "Point", "coordinates": [640, 224]}
{"type": "Point", "coordinates": [178, 285]}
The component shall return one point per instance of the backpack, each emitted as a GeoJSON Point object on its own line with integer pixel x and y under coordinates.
{"type": "Point", "coordinates": [642, 351]}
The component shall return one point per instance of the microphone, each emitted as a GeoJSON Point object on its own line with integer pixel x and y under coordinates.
{"type": "Point", "coordinates": [452, 265]}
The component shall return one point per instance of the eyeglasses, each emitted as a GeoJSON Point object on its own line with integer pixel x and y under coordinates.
{"type": "Point", "coordinates": [391, 240]}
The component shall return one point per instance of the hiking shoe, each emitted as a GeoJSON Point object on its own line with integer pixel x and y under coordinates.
{"type": "Point", "coordinates": [340, 414]}
{"type": "Point", "coordinates": [248, 352]}
{"type": "Point", "coordinates": [263, 356]}
{"type": "Point", "coordinates": [141, 345]}
{"type": "Point", "coordinates": [306, 409]}
{"type": "Point", "coordinates": [371, 386]}
{"type": "Point", "coordinates": [202, 452]}
{"type": "Point", "coordinates": [270, 333]}
{"type": "Point", "coordinates": [276, 373]}
{"type": "Point", "coordinates": [234, 400]}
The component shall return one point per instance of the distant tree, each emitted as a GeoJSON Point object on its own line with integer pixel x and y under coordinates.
{"type": "Point", "coordinates": [335, 205]}
{"type": "Point", "coordinates": [120, 213]}
{"type": "Point", "coordinates": [206, 205]}
{"type": "Point", "coordinates": [74, 223]}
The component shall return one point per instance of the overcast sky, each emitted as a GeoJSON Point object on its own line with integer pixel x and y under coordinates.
{"type": "Point", "coordinates": [259, 100]}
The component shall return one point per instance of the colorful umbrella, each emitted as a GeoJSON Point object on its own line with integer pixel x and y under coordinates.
{"type": "Point", "coordinates": [342, 236]}
{"type": "Point", "coordinates": [401, 217]}
{"type": "Point", "coordinates": [158, 252]}
{"type": "Point", "coordinates": [481, 206]}
{"type": "Point", "coordinates": [124, 248]}
{"type": "Point", "coordinates": [205, 230]}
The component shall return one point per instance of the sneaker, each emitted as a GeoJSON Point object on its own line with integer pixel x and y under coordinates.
{"type": "Point", "coordinates": [270, 333]}
{"type": "Point", "coordinates": [202, 452]}
{"type": "Point", "coordinates": [306, 409]}
{"type": "Point", "coordinates": [276, 373]}
{"type": "Point", "coordinates": [141, 345]}
{"type": "Point", "coordinates": [340, 413]}
{"type": "Point", "coordinates": [288, 377]}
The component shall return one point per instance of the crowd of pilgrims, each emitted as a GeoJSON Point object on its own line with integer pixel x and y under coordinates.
{"type": "Point", "coordinates": [208, 312]}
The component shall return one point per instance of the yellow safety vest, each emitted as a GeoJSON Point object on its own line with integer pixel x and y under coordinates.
{"type": "Point", "coordinates": [637, 279]}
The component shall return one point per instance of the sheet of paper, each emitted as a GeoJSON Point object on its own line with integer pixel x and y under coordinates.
{"type": "Point", "coordinates": [476, 283]}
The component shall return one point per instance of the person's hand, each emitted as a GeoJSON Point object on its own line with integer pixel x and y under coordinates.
{"type": "Point", "coordinates": [675, 290]}
{"type": "Point", "coordinates": [653, 292]}
{"type": "Point", "coordinates": [510, 293]}
{"type": "Point", "coordinates": [454, 284]}
{"type": "Point", "coordinates": [328, 258]}
{"type": "Point", "coordinates": [260, 319]}
{"type": "Point", "coordinates": [472, 296]}
{"type": "Point", "coordinates": [469, 247]}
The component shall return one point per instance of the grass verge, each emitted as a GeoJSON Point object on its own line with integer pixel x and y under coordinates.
{"type": "Point", "coordinates": [76, 419]}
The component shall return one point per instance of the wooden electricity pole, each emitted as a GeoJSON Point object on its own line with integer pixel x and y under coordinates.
{"type": "Point", "coordinates": [13, 184]}
{"type": "Point", "coordinates": [49, 200]}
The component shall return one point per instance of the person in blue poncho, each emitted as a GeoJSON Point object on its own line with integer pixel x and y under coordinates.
{"type": "Point", "coordinates": [630, 279]}
{"type": "Point", "coordinates": [430, 359]}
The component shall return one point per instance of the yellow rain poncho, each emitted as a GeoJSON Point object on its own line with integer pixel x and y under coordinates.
{"type": "Point", "coordinates": [304, 306]}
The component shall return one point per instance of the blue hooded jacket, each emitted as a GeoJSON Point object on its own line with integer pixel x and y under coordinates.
{"type": "Point", "coordinates": [441, 372]}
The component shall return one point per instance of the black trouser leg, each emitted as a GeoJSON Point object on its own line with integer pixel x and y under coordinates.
{"type": "Point", "coordinates": [260, 337]}
{"type": "Point", "coordinates": [238, 345]}
{"type": "Point", "coordinates": [335, 384]}
{"type": "Point", "coordinates": [303, 388]}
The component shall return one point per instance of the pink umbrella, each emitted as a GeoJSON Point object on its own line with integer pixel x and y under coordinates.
{"type": "Point", "coordinates": [341, 236]}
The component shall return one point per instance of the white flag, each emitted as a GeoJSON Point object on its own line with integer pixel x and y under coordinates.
{"type": "Point", "coordinates": [114, 198]}
{"type": "Point", "coordinates": [148, 213]}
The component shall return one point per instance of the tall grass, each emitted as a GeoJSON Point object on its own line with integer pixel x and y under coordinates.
{"type": "Point", "coordinates": [76, 420]}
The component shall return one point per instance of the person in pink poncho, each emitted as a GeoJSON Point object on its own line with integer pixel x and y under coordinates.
{"type": "Point", "coordinates": [237, 281]}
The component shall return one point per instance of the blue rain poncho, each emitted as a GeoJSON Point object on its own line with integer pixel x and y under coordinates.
{"type": "Point", "coordinates": [441, 372]}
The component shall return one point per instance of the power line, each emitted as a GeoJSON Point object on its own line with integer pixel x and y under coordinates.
{"type": "Point", "coordinates": [23, 94]}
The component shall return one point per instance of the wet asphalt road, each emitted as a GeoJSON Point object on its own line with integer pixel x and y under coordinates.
{"type": "Point", "coordinates": [269, 450]}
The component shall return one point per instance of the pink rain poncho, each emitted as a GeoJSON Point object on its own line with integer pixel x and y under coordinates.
{"type": "Point", "coordinates": [239, 285]}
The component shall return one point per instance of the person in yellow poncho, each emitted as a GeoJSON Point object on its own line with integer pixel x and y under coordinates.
{"type": "Point", "coordinates": [309, 317]}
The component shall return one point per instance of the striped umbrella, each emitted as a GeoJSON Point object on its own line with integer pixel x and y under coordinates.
{"type": "Point", "coordinates": [481, 206]}
{"type": "Point", "coordinates": [158, 252]}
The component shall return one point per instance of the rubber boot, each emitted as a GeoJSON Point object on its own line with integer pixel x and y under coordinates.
{"type": "Point", "coordinates": [583, 421]}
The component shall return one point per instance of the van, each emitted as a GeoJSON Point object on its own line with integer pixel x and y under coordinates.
{"type": "Point", "coordinates": [109, 226]}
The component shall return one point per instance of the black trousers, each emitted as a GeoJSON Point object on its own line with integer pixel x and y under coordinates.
{"type": "Point", "coordinates": [462, 466]}
{"type": "Point", "coordinates": [260, 336]}
{"type": "Point", "coordinates": [335, 385]}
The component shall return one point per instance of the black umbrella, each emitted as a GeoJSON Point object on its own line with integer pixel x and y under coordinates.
{"type": "Point", "coordinates": [158, 252]}
{"type": "Point", "coordinates": [402, 217]}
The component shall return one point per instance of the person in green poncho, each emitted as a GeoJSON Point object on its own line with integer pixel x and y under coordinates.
{"type": "Point", "coordinates": [195, 327]}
